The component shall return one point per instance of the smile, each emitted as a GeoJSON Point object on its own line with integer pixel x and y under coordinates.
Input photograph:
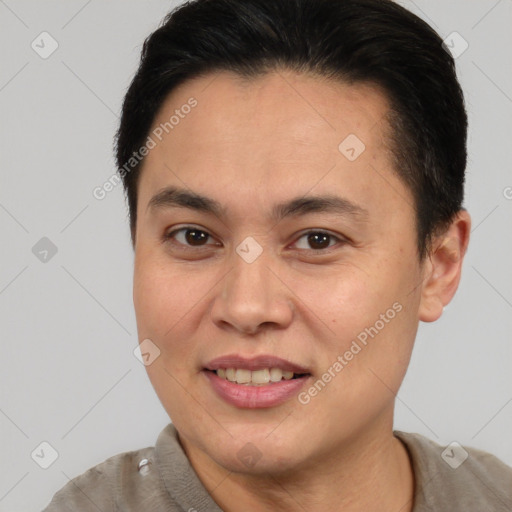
{"type": "Point", "coordinates": [255, 382]}
{"type": "Point", "coordinates": [261, 377]}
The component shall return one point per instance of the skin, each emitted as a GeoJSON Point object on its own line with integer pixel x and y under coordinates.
{"type": "Point", "coordinates": [249, 145]}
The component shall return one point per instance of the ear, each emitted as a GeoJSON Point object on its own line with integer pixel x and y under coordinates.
{"type": "Point", "coordinates": [443, 268]}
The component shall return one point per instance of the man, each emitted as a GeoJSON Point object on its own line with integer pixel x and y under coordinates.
{"type": "Point", "coordinates": [294, 172]}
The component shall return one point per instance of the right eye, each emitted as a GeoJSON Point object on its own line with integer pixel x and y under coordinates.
{"type": "Point", "coordinates": [189, 236]}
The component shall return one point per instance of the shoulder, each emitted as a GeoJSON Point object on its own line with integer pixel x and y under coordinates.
{"type": "Point", "coordinates": [470, 478]}
{"type": "Point", "coordinates": [98, 487]}
{"type": "Point", "coordinates": [152, 478]}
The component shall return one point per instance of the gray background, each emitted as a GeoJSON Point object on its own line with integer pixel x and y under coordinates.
{"type": "Point", "coordinates": [68, 373]}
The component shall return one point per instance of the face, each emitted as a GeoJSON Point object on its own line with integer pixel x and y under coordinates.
{"type": "Point", "coordinates": [300, 256]}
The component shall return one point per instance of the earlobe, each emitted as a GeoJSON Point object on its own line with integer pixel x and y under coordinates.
{"type": "Point", "coordinates": [443, 268]}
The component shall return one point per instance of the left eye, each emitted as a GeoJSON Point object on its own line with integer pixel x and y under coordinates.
{"type": "Point", "coordinates": [318, 240]}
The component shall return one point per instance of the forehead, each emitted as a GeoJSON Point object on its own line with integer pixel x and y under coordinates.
{"type": "Point", "coordinates": [299, 107]}
{"type": "Point", "coordinates": [282, 133]}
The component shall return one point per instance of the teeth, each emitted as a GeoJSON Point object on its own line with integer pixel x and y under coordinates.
{"type": "Point", "coordinates": [260, 376]}
{"type": "Point", "coordinates": [257, 377]}
{"type": "Point", "coordinates": [243, 376]}
{"type": "Point", "coordinates": [276, 374]}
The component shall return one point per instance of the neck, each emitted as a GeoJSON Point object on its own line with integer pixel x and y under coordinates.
{"type": "Point", "coordinates": [371, 473]}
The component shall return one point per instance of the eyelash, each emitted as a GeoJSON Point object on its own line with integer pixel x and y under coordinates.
{"type": "Point", "coordinates": [169, 237]}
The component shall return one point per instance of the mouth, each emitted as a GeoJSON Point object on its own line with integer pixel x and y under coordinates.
{"type": "Point", "coordinates": [263, 381]}
{"type": "Point", "coordinates": [262, 377]}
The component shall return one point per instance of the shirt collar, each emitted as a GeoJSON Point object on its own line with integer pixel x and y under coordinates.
{"type": "Point", "coordinates": [178, 475]}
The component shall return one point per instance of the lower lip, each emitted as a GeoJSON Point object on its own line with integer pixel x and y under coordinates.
{"type": "Point", "coordinates": [255, 397]}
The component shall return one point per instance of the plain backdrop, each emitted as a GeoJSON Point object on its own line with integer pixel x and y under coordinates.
{"type": "Point", "coordinates": [68, 374]}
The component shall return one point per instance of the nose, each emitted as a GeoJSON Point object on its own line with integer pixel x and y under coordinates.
{"type": "Point", "coordinates": [252, 298]}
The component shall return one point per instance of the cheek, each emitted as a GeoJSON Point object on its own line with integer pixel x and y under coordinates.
{"type": "Point", "coordinates": [151, 298]}
{"type": "Point", "coordinates": [161, 295]}
{"type": "Point", "coordinates": [171, 302]}
{"type": "Point", "coordinates": [345, 300]}
{"type": "Point", "coordinates": [366, 313]}
{"type": "Point", "coordinates": [164, 300]}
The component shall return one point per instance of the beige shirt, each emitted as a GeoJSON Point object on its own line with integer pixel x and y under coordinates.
{"type": "Point", "coordinates": [161, 478]}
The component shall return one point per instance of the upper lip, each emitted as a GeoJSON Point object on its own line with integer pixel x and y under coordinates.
{"type": "Point", "coordinates": [254, 363]}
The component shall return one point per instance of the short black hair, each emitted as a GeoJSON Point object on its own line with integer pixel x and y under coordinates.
{"type": "Point", "coordinates": [373, 42]}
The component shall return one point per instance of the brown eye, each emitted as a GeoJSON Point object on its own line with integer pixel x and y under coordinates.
{"type": "Point", "coordinates": [317, 240]}
{"type": "Point", "coordinates": [189, 236]}
{"type": "Point", "coordinates": [196, 237]}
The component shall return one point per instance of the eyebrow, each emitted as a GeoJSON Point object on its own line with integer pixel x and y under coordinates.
{"type": "Point", "coordinates": [174, 197]}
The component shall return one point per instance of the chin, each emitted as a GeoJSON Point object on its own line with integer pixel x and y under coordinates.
{"type": "Point", "coordinates": [254, 449]}
{"type": "Point", "coordinates": [250, 459]}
